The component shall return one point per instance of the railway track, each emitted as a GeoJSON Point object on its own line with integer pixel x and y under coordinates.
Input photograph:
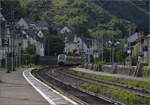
{"type": "Point", "coordinates": [71, 90]}
{"type": "Point", "coordinates": [76, 80]}
{"type": "Point", "coordinates": [138, 91]}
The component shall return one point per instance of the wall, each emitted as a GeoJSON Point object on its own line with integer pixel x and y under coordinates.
{"type": "Point", "coordinates": [121, 69]}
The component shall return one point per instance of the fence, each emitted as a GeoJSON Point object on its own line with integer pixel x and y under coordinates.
{"type": "Point", "coordinates": [47, 60]}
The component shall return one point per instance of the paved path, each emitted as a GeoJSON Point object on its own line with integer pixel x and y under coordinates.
{"type": "Point", "coordinates": [110, 75]}
{"type": "Point", "coordinates": [15, 90]}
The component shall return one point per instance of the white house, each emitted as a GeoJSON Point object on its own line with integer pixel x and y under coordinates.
{"type": "Point", "coordinates": [39, 48]}
{"type": "Point", "coordinates": [79, 45]}
{"type": "Point", "coordinates": [65, 30]}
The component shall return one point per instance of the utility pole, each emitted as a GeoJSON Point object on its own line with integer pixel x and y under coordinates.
{"type": "Point", "coordinates": [12, 38]}
{"type": "Point", "coordinates": [112, 50]}
{"type": "Point", "coordinates": [89, 52]}
{"type": "Point", "coordinates": [102, 48]}
{"type": "Point", "coordinates": [0, 28]}
{"type": "Point", "coordinates": [130, 51]}
{"type": "Point", "coordinates": [48, 47]}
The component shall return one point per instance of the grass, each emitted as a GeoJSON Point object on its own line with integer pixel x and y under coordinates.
{"type": "Point", "coordinates": [134, 83]}
{"type": "Point", "coordinates": [2, 68]}
{"type": "Point", "coordinates": [68, 96]}
{"type": "Point", "coordinates": [121, 94]}
{"type": "Point", "coordinates": [33, 66]}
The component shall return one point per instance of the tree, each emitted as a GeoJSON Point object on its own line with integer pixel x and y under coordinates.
{"type": "Point", "coordinates": [54, 45]}
{"type": "Point", "coordinates": [13, 6]}
{"type": "Point", "coordinates": [31, 49]}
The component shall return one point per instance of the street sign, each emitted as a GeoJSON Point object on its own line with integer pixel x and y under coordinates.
{"type": "Point", "coordinates": [5, 42]}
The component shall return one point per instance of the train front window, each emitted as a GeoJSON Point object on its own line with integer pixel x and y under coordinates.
{"type": "Point", "coordinates": [62, 57]}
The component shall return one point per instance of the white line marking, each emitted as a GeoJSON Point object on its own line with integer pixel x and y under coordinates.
{"type": "Point", "coordinates": [47, 98]}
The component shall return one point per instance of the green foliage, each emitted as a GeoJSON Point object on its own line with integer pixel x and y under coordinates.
{"type": "Point", "coordinates": [30, 56]}
{"type": "Point", "coordinates": [145, 64]}
{"type": "Point", "coordinates": [13, 5]}
{"type": "Point", "coordinates": [85, 15]}
{"type": "Point", "coordinates": [92, 87]}
{"type": "Point", "coordinates": [26, 59]}
{"type": "Point", "coordinates": [3, 63]}
{"type": "Point", "coordinates": [133, 83]}
{"type": "Point", "coordinates": [31, 49]}
{"type": "Point", "coordinates": [127, 10]}
{"type": "Point", "coordinates": [54, 45]}
{"type": "Point", "coordinates": [146, 72]}
{"type": "Point", "coordinates": [34, 59]}
{"type": "Point", "coordinates": [98, 66]}
{"type": "Point", "coordinates": [33, 66]}
{"type": "Point", "coordinates": [121, 94]}
{"type": "Point", "coordinates": [106, 55]}
{"type": "Point", "coordinates": [91, 59]}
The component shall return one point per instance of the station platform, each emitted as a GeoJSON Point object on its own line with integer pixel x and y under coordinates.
{"type": "Point", "coordinates": [22, 88]}
{"type": "Point", "coordinates": [111, 75]}
{"type": "Point", "coordinates": [15, 90]}
{"type": "Point", "coordinates": [51, 95]}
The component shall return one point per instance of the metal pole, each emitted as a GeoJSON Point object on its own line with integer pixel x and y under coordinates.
{"type": "Point", "coordinates": [110, 53]}
{"type": "Point", "coordinates": [12, 42]}
{"type": "Point", "coordinates": [16, 60]}
{"type": "Point", "coordinates": [89, 52]}
{"type": "Point", "coordinates": [48, 46]}
{"type": "Point", "coordinates": [130, 51]}
{"type": "Point", "coordinates": [112, 50]}
{"type": "Point", "coordinates": [102, 49]}
{"type": "Point", "coordinates": [0, 27]}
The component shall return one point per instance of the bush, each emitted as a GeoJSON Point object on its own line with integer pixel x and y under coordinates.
{"type": "Point", "coordinates": [34, 59]}
{"type": "Point", "coordinates": [146, 72]}
{"type": "Point", "coordinates": [145, 64]}
{"type": "Point", "coordinates": [99, 66]}
{"type": "Point", "coordinates": [26, 59]}
{"type": "Point", "coordinates": [95, 67]}
{"type": "Point", "coordinates": [134, 60]}
{"type": "Point", "coordinates": [81, 66]}
{"type": "Point", "coordinates": [91, 58]}
{"type": "Point", "coordinates": [3, 62]}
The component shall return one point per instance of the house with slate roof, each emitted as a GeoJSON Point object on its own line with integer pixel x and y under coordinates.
{"type": "Point", "coordinates": [140, 46]}
{"type": "Point", "coordinates": [43, 25]}
{"type": "Point", "coordinates": [26, 23]}
{"type": "Point", "coordinates": [37, 41]}
{"type": "Point", "coordinates": [2, 17]}
{"type": "Point", "coordinates": [76, 44]}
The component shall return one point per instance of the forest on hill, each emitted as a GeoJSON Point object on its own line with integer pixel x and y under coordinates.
{"type": "Point", "coordinates": [90, 18]}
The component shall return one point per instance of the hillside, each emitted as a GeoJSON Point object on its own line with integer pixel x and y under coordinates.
{"type": "Point", "coordinates": [88, 17]}
{"type": "Point", "coordinates": [126, 9]}
{"type": "Point", "coordinates": [80, 15]}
